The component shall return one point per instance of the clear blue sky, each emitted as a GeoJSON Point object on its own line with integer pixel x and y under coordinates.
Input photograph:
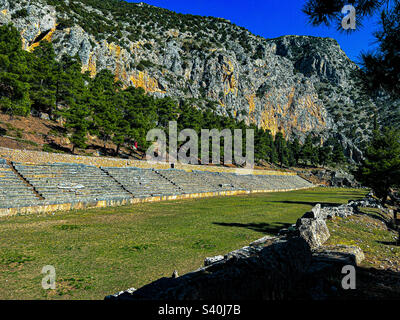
{"type": "Point", "coordinates": [273, 18]}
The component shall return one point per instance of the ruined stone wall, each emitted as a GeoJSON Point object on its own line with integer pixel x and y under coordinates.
{"type": "Point", "coordinates": [292, 265]}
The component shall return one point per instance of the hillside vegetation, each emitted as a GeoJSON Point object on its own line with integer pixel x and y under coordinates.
{"type": "Point", "coordinates": [100, 106]}
{"type": "Point", "coordinates": [295, 85]}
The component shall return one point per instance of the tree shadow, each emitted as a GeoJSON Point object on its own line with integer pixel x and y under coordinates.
{"type": "Point", "coordinates": [265, 228]}
{"type": "Point", "coordinates": [388, 243]}
{"type": "Point", "coordinates": [103, 152]}
{"type": "Point", "coordinates": [376, 216]}
{"type": "Point", "coordinates": [57, 147]}
{"type": "Point", "coordinates": [311, 203]}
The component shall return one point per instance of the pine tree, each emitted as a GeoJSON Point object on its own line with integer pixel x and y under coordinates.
{"type": "Point", "coordinates": [381, 168]}
{"type": "Point", "coordinates": [101, 100]}
{"type": "Point", "coordinates": [296, 150]}
{"type": "Point", "coordinates": [338, 156]}
{"type": "Point", "coordinates": [14, 73]}
{"type": "Point", "coordinates": [70, 82]}
{"type": "Point", "coordinates": [77, 121]}
{"type": "Point", "coordinates": [307, 150]}
{"type": "Point", "coordinates": [141, 115]}
{"type": "Point", "coordinates": [382, 67]}
{"type": "Point", "coordinates": [324, 154]}
{"type": "Point", "coordinates": [44, 78]}
{"type": "Point", "coordinates": [280, 146]}
{"type": "Point", "coordinates": [167, 110]}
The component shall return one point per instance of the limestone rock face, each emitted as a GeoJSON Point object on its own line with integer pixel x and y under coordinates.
{"type": "Point", "coordinates": [292, 84]}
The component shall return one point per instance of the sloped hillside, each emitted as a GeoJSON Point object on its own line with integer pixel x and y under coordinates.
{"type": "Point", "coordinates": [292, 84]}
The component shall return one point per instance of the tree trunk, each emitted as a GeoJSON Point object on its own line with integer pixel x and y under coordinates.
{"type": "Point", "coordinates": [384, 198]}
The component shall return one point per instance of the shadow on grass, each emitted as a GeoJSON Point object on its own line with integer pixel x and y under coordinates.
{"type": "Point", "coordinates": [266, 228]}
{"type": "Point", "coordinates": [310, 203]}
{"type": "Point", "coordinates": [357, 195]}
{"type": "Point", "coordinates": [376, 216]}
{"type": "Point", "coordinates": [388, 243]}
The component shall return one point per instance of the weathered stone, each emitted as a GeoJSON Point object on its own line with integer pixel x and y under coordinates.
{"type": "Point", "coordinates": [368, 202]}
{"type": "Point", "coordinates": [210, 260]}
{"type": "Point", "coordinates": [342, 211]}
{"type": "Point", "coordinates": [313, 231]}
{"type": "Point", "coordinates": [120, 295]}
{"type": "Point", "coordinates": [270, 273]}
{"type": "Point", "coordinates": [315, 213]}
{"type": "Point", "coordinates": [264, 240]}
{"type": "Point", "coordinates": [175, 274]}
{"type": "Point", "coordinates": [350, 255]}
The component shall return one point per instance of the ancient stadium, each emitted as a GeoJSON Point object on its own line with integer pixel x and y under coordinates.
{"type": "Point", "coordinates": [107, 224]}
{"type": "Point", "coordinates": [37, 186]}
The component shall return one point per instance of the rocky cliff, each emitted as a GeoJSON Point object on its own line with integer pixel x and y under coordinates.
{"type": "Point", "coordinates": [293, 84]}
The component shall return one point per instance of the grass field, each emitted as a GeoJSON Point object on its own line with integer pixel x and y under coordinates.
{"type": "Point", "coordinates": [102, 251]}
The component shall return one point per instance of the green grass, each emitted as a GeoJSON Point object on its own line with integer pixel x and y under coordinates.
{"type": "Point", "coordinates": [369, 232]}
{"type": "Point", "coordinates": [102, 251]}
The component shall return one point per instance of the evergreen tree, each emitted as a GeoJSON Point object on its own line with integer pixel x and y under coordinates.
{"type": "Point", "coordinates": [14, 73]}
{"type": "Point", "coordinates": [296, 150]}
{"type": "Point", "coordinates": [141, 115]}
{"type": "Point", "coordinates": [381, 68]}
{"type": "Point", "coordinates": [167, 110]}
{"type": "Point", "coordinates": [338, 156]}
{"type": "Point", "coordinates": [381, 168]}
{"type": "Point", "coordinates": [77, 118]}
{"type": "Point", "coordinates": [70, 82]}
{"type": "Point", "coordinates": [45, 71]}
{"type": "Point", "coordinates": [263, 145]}
{"type": "Point", "coordinates": [325, 154]}
{"type": "Point", "coordinates": [102, 103]}
{"type": "Point", "coordinates": [307, 150]}
{"type": "Point", "coordinates": [280, 146]}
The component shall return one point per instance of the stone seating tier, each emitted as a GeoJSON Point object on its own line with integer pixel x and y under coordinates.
{"type": "Point", "coordinates": [61, 183]}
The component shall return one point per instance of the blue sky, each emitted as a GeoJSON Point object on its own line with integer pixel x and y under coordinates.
{"type": "Point", "coordinates": [273, 18]}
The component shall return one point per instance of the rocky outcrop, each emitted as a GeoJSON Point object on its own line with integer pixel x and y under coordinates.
{"type": "Point", "coordinates": [292, 84]}
{"type": "Point", "coordinates": [313, 231]}
{"type": "Point", "coordinates": [347, 255]}
{"type": "Point", "coordinates": [332, 178]}
{"type": "Point", "coordinates": [260, 273]}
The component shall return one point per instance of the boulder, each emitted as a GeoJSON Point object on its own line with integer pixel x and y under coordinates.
{"type": "Point", "coordinates": [313, 231]}
{"type": "Point", "coordinates": [342, 254]}
{"type": "Point", "coordinates": [315, 213]}
{"type": "Point", "coordinates": [342, 211]}
{"type": "Point", "coordinates": [211, 260]}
